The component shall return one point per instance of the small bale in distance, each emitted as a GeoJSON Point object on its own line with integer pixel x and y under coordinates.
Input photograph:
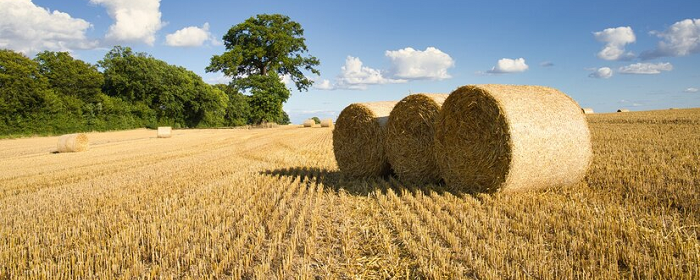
{"type": "Point", "coordinates": [327, 123]}
{"type": "Point", "coordinates": [76, 142]}
{"type": "Point", "coordinates": [508, 138]}
{"type": "Point", "coordinates": [410, 138]}
{"type": "Point", "coordinates": [309, 123]}
{"type": "Point", "coordinates": [588, 111]}
{"type": "Point", "coordinates": [623, 110]}
{"type": "Point", "coordinates": [164, 132]}
{"type": "Point", "coordinates": [358, 139]}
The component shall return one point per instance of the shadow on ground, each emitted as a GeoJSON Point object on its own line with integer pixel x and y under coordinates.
{"type": "Point", "coordinates": [335, 180]}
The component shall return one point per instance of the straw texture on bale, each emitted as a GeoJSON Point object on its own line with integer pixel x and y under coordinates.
{"type": "Point", "coordinates": [410, 137]}
{"type": "Point", "coordinates": [76, 142]}
{"type": "Point", "coordinates": [309, 123]}
{"type": "Point", "coordinates": [358, 139]}
{"type": "Point", "coordinates": [623, 110]}
{"type": "Point", "coordinates": [507, 138]}
{"type": "Point", "coordinates": [327, 123]}
{"type": "Point", "coordinates": [164, 132]}
{"type": "Point", "coordinates": [588, 111]}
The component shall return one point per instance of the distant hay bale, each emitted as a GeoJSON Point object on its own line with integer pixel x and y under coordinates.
{"type": "Point", "coordinates": [309, 123]}
{"type": "Point", "coordinates": [507, 138]}
{"type": "Point", "coordinates": [164, 132]}
{"type": "Point", "coordinates": [358, 139]}
{"type": "Point", "coordinates": [327, 123]}
{"type": "Point", "coordinates": [587, 111]}
{"type": "Point", "coordinates": [622, 110]}
{"type": "Point", "coordinates": [410, 135]}
{"type": "Point", "coordinates": [76, 142]}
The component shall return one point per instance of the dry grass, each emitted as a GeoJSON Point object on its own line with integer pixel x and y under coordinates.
{"type": "Point", "coordinates": [309, 123]}
{"type": "Point", "coordinates": [492, 138]}
{"type": "Point", "coordinates": [271, 204]}
{"type": "Point", "coordinates": [358, 139]}
{"type": "Point", "coordinates": [410, 136]}
{"type": "Point", "coordinates": [587, 111]}
{"type": "Point", "coordinates": [77, 142]}
{"type": "Point", "coordinates": [327, 123]}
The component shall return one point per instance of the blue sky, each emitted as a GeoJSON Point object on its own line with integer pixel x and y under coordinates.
{"type": "Point", "coordinates": [640, 55]}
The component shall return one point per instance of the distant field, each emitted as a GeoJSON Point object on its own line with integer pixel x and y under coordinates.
{"type": "Point", "coordinates": [271, 204]}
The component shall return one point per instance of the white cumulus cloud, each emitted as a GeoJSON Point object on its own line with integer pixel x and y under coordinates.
{"type": "Point", "coordinates": [507, 65]}
{"type": "Point", "coordinates": [27, 28]}
{"type": "Point", "coordinates": [692, 90]}
{"type": "Point", "coordinates": [602, 73]}
{"type": "Point", "coordinates": [356, 76]}
{"type": "Point", "coordinates": [324, 85]}
{"type": "Point", "coordinates": [191, 36]}
{"type": "Point", "coordinates": [646, 68]}
{"type": "Point", "coordinates": [615, 40]}
{"type": "Point", "coordinates": [134, 20]}
{"type": "Point", "coordinates": [431, 64]}
{"type": "Point", "coordinates": [681, 39]}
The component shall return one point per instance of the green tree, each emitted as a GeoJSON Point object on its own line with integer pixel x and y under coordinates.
{"type": "Point", "coordinates": [70, 77]}
{"type": "Point", "coordinates": [258, 52]}
{"type": "Point", "coordinates": [162, 93]}
{"type": "Point", "coordinates": [26, 100]}
{"type": "Point", "coordinates": [316, 120]}
{"type": "Point", "coordinates": [238, 110]}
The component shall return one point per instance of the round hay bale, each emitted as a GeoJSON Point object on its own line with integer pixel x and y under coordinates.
{"type": "Point", "coordinates": [588, 111]}
{"type": "Point", "coordinates": [358, 139]}
{"type": "Point", "coordinates": [507, 138]}
{"type": "Point", "coordinates": [76, 142]}
{"type": "Point", "coordinates": [327, 123]}
{"type": "Point", "coordinates": [309, 123]}
{"type": "Point", "coordinates": [410, 136]}
{"type": "Point", "coordinates": [164, 132]}
{"type": "Point", "coordinates": [623, 110]}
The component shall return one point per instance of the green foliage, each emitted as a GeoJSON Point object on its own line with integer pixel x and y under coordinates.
{"type": "Point", "coordinates": [316, 120]}
{"type": "Point", "coordinates": [238, 110]}
{"type": "Point", "coordinates": [259, 51]}
{"type": "Point", "coordinates": [70, 77]}
{"type": "Point", "coordinates": [174, 95]}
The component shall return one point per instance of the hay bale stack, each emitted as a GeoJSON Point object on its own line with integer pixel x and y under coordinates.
{"type": "Point", "coordinates": [588, 111]}
{"type": "Point", "coordinates": [410, 135]}
{"type": "Point", "coordinates": [507, 138]}
{"type": "Point", "coordinates": [76, 142]}
{"type": "Point", "coordinates": [358, 139]}
{"type": "Point", "coordinates": [327, 123]}
{"type": "Point", "coordinates": [164, 132]}
{"type": "Point", "coordinates": [622, 110]}
{"type": "Point", "coordinates": [309, 123]}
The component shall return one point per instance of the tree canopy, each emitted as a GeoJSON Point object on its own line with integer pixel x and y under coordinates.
{"type": "Point", "coordinates": [259, 51]}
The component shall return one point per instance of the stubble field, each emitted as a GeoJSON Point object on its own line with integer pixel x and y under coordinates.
{"type": "Point", "coordinates": [271, 204]}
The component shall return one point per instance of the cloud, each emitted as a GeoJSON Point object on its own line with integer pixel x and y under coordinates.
{"type": "Point", "coordinates": [27, 28]}
{"type": "Point", "coordinates": [324, 85]}
{"type": "Point", "coordinates": [507, 65]}
{"type": "Point", "coordinates": [191, 36]}
{"type": "Point", "coordinates": [681, 39]}
{"type": "Point", "coordinates": [431, 64]}
{"type": "Point", "coordinates": [356, 76]}
{"type": "Point", "coordinates": [615, 40]}
{"type": "Point", "coordinates": [134, 20]}
{"type": "Point", "coordinates": [692, 90]}
{"type": "Point", "coordinates": [646, 68]}
{"type": "Point", "coordinates": [220, 78]}
{"type": "Point", "coordinates": [546, 64]}
{"type": "Point", "coordinates": [602, 73]}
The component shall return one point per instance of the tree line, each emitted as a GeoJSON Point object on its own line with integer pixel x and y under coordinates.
{"type": "Point", "coordinates": [55, 93]}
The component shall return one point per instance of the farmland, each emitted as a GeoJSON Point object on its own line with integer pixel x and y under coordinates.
{"type": "Point", "coordinates": [271, 204]}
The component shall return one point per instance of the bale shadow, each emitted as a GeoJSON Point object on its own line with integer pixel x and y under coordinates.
{"type": "Point", "coordinates": [336, 181]}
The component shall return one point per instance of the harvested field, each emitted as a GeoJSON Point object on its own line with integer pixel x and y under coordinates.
{"type": "Point", "coordinates": [271, 204]}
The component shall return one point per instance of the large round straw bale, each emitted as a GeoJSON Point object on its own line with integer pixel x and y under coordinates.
{"type": "Point", "coordinates": [164, 132]}
{"type": "Point", "coordinates": [327, 123]}
{"type": "Point", "coordinates": [309, 123]}
{"type": "Point", "coordinates": [623, 110]}
{"type": "Point", "coordinates": [410, 137]}
{"type": "Point", "coordinates": [358, 139]}
{"type": "Point", "coordinates": [588, 111]}
{"type": "Point", "coordinates": [76, 142]}
{"type": "Point", "coordinates": [509, 138]}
